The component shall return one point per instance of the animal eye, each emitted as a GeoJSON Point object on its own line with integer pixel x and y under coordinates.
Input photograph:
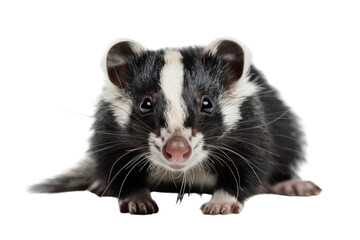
{"type": "Point", "coordinates": [206, 105]}
{"type": "Point", "coordinates": [146, 106]}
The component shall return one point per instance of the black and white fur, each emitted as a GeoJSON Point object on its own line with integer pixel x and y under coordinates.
{"type": "Point", "coordinates": [240, 138]}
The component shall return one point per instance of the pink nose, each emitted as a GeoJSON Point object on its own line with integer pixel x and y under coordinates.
{"type": "Point", "coordinates": [177, 149]}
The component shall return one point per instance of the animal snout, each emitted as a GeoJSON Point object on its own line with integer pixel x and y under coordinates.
{"type": "Point", "coordinates": [177, 149]}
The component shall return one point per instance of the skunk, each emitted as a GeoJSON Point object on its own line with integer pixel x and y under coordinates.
{"type": "Point", "coordinates": [188, 120]}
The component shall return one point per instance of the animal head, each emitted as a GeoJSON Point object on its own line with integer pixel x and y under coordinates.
{"type": "Point", "coordinates": [180, 100]}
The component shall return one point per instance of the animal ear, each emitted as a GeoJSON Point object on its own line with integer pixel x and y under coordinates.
{"type": "Point", "coordinates": [234, 56]}
{"type": "Point", "coordinates": [118, 59]}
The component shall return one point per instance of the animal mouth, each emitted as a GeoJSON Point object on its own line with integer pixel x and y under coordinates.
{"type": "Point", "coordinates": [176, 166]}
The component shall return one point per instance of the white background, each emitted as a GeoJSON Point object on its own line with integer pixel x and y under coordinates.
{"type": "Point", "coordinates": [51, 77]}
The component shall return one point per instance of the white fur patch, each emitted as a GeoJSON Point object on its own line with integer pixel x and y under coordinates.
{"type": "Point", "coordinates": [171, 82]}
{"type": "Point", "coordinates": [230, 101]}
{"type": "Point", "coordinates": [120, 103]}
{"type": "Point", "coordinates": [220, 196]}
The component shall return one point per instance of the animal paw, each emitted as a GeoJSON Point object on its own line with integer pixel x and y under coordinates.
{"type": "Point", "coordinates": [98, 187]}
{"type": "Point", "coordinates": [222, 203]}
{"type": "Point", "coordinates": [295, 188]}
{"type": "Point", "coordinates": [138, 203]}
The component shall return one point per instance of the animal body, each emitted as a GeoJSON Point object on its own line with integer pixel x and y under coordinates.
{"type": "Point", "coordinates": [189, 120]}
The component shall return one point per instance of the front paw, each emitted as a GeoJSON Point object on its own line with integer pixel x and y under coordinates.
{"type": "Point", "coordinates": [138, 207]}
{"type": "Point", "coordinates": [222, 203]}
{"type": "Point", "coordinates": [138, 203]}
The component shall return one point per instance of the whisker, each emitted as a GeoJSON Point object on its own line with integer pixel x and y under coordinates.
{"type": "Point", "coordinates": [237, 180]}
{"type": "Point", "coordinates": [165, 172]}
{"type": "Point", "coordinates": [127, 175]}
{"type": "Point", "coordinates": [259, 120]}
{"type": "Point", "coordinates": [267, 123]}
{"type": "Point", "coordinates": [238, 183]}
{"type": "Point", "coordinates": [242, 157]}
{"type": "Point", "coordinates": [138, 120]}
{"type": "Point", "coordinates": [147, 161]}
{"type": "Point", "coordinates": [105, 148]}
{"type": "Point", "coordinates": [246, 160]}
{"type": "Point", "coordinates": [247, 142]}
{"type": "Point", "coordinates": [182, 188]}
{"type": "Point", "coordinates": [193, 176]}
{"type": "Point", "coordinates": [172, 176]}
{"type": "Point", "coordinates": [127, 152]}
{"type": "Point", "coordinates": [121, 134]}
{"type": "Point", "coordinates": [131, 162]}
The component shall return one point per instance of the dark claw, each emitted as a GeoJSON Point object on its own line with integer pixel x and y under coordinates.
{"type": "Point", "coordinates": [142, 208]}
{"type": "Point", "coordinates": [153, 206]}
{"type": "Point", "coordinates": [124, 207]}
{"type": "Point", "coordinates": [132, 208]}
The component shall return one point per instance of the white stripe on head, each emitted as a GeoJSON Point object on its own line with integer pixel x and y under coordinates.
{"type": "Point", "coordinates": [171, 82]}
